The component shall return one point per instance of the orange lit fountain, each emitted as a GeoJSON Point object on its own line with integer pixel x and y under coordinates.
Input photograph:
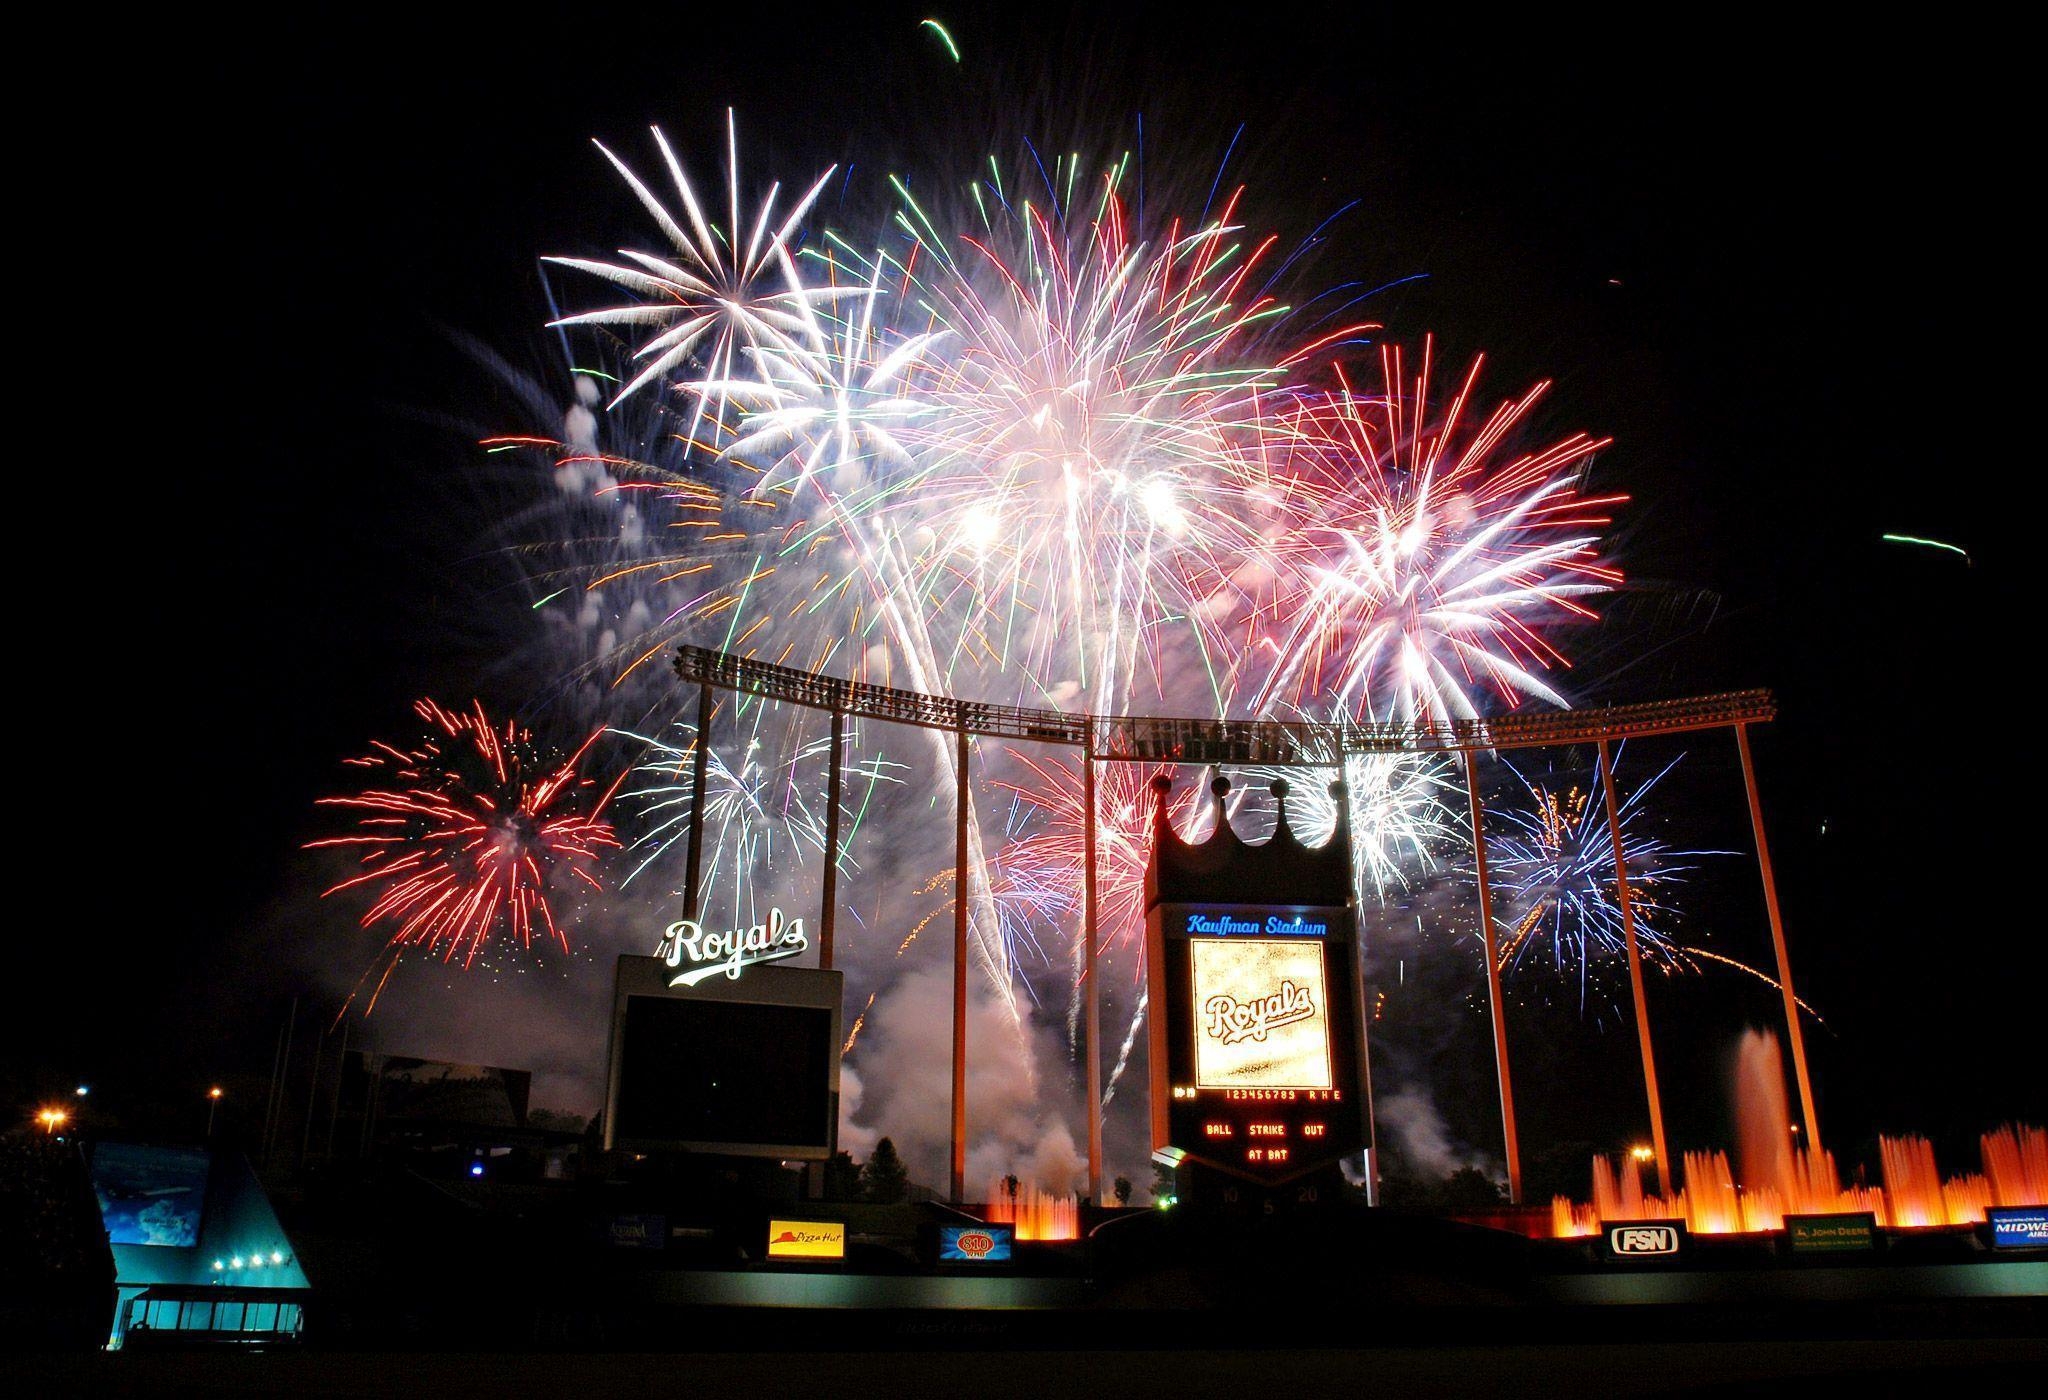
{"type": "Point", "coordinates": [1036, 1214]}
{"type": "Point", "coordinates": [1777, 1179]}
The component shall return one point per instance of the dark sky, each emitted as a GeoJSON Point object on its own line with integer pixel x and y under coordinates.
{"type": "Point", "coordinates": [1776, 260]}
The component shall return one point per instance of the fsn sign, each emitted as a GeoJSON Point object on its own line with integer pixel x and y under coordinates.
{"type": "Point", "coordinates": [1652, 1239]}
{"type": "Point", "coordinates": [698, 954]}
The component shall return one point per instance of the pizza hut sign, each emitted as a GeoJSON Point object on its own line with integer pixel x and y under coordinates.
{"type": "Point", "coordinates": [686, 945]}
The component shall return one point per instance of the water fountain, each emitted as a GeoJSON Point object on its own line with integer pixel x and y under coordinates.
{"type": "Point", "coordinates": [1035, 1214]}
{"type": "Point", "coordinates": [1777, 1178]}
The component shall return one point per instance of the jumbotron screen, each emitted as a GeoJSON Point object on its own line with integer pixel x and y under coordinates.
{"type": "Point", "coordinates": [1261, 1067]}
{"type": "Point", "coordinates": [725, 1072]}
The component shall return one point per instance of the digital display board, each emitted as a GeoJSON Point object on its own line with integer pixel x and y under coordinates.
{"type": "Point", "coordinates": [1256, 1061]}
{"type": "Point", "coordinates": [745, 1067]}
{"type": "Point", "coordinates": [725, 1071]}
{"type": "Point", "coordinates": [150, 1195]}
{"type": "Point", "coordinates": [975, 1244]}
{"type": "Point", "coordinates": [1262, 1009]}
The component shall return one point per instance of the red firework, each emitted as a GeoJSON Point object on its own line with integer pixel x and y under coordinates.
{"type": "Point", "coordinates": [462, 833]}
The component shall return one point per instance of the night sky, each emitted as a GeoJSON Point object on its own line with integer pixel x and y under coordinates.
{"type": "Point", "coordinates": [1779, 264]}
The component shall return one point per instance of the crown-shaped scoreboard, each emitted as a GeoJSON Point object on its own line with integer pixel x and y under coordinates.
{"type": "Point", "coordinates": [1258, 1039]}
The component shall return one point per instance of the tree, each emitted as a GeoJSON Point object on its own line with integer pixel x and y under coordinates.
{"type": "Point", "coordinates": [1164, 1183]}
{"type": "Point", "coordinates": [1121, 1189]}
{"type": "Point", "coordinates": [884, 1179]}
{"type": "Point", "coordinates": [1469, 1188]}
{"type": "Point", "coordinates": [842, 1178]}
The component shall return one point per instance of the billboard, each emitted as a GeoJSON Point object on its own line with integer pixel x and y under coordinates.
{"type": "Point", "coordinates": [736, 1066]}
{"type": "Point", "coordinates": [150, 1195]}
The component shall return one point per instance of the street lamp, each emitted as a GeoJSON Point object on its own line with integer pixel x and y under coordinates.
{"type": "Point", "coordinates": [212, 1107]}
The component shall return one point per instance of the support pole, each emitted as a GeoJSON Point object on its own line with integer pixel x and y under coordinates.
{"type": "Point", "coordinates": [1091, 1027]}
{"type": "Point", "coordinates": [274, 1124]}
{"type": "Point", "coordinates": [831, 895]}
{"type": "Point", "coordinates": [312, 1096]}
{"type": "Point", "coordinates": [1811, 1122]}
{"type": "Point", "coordinates": [340, 1070]}
{"type": "Point", "coordinates": [1665, 1184]}
{"type": "Point", "coordinates": [960, 878]}
{"type": "Point", "coordinates": [693, 878]}
{"type": "Point", "coordinates": [1493, 998]}
{"type": "Point", "coordinates": [1341, 790]}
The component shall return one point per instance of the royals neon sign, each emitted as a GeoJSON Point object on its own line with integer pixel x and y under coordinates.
{"type": "Point", "coordinates": [686, 945]}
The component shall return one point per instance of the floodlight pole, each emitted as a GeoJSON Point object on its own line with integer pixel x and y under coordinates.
{"type": "Point", "coordinates": [1763, 860]}
{"type": "Point", "coordinates": [693, 878]}
{"type": "Point", "coordinates": [340, 1071]}
{"type": "Point", "coordinates": [1341, 791]}
{"type": "Point", "coordinates": [960, 877]}
{"type": "Point", "coordinates": [1092, 1026]}
{"type": "Point", "coordinates": [1635, 975]}
{"type": "Point", "coordinates": [1493, 997]}
{"type": "Point", "coordinates": [831, 894]}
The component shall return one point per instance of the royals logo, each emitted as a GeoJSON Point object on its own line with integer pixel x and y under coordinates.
{"type": "Point", "coordinates": [1229, 1020]}
{"type": "Point", "coordinates": [729, 952]}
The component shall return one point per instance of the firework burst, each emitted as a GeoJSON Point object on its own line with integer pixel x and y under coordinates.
{"type": "Point", "coordinates": [1426, 569]}
{"type": "Point", "coordinates": [462, 834]}
{"type": "Point", "coordinates": [1555, 879]}
{"type": "Point", "coordinates": [725, 290]}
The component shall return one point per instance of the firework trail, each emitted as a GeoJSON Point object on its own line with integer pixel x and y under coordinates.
{"type": "Point", "coordinates": [461, 835]}
{"type": "Point", "coordinates": [1400, 817]}
{"type": "Point", "coordinates": [759, 815]}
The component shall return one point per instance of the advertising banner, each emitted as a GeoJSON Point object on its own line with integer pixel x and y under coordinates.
{"type": "Point", "coordinates": [1642, 1241]}
{"type": "Point", "coordinates": [1831, 1234]}
{"type": "Point", "coordinates": [2019, 1227]}
{"type": "Point", "coordinates": [975, 1244]}
{"type": "Point", "coordinates": [806, 1239]}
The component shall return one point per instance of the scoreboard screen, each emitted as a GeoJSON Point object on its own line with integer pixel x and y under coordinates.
{"type": "Point", "coordinates": [1262, 1010]}
{"type": "Point", "coordinates": [1256, 1061]}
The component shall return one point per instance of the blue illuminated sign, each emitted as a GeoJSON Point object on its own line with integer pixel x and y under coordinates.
{"type": "Point", "coordinates": [2019, 1227]}
{"type": "Point", "coordinates": [1274, 925]}
{"type": "Point", "coordinates": [975, 1244]}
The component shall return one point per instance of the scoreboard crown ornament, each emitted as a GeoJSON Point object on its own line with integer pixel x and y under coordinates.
{"type": "Point", "coordinates": [1258, 1027]}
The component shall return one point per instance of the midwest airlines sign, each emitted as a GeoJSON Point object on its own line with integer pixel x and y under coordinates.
{"type": "Point", "coordinates": [700, 955]}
